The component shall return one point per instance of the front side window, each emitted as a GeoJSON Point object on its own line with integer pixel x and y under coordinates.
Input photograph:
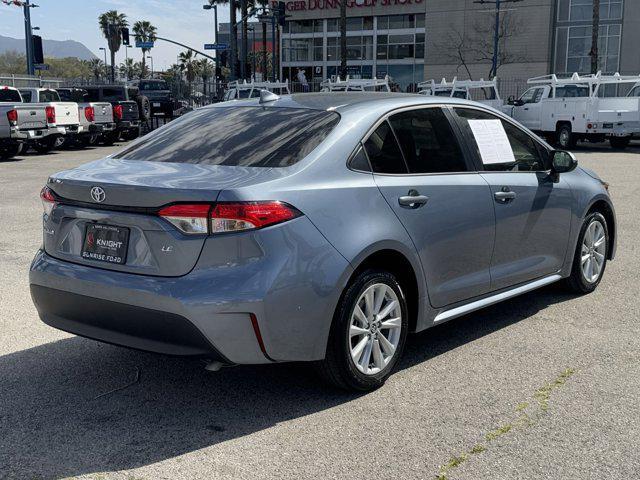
{"type": "Point", "coordinates": [529, 155]}
{"type": "Point", "coordinates": [427, 141]}
{"type": "Point", "coordinates": [533, 95]}
{"type": "Point", "coordinates": [237, 136]}
{"type": "Point", "coordinates": [383, 151]}
{"type": "Point", "coordinates": [635, 91]}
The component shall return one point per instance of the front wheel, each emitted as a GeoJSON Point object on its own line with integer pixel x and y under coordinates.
{"type": "Point", "coordinates": [368, 333]}
{"type": "Point", "coordinates": [566, 138]}
{"type": "Point", "coordinates": [590, 259]}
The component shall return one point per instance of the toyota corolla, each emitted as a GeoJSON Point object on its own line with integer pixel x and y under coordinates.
{"type": "Point", "coordinates": [321, 228]}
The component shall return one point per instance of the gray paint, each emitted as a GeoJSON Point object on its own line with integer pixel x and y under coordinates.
{"type": "Point", "coordinates": [291, 275]}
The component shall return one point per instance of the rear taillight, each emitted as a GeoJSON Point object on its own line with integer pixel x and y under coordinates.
{"type": "Point", "coordinates": [189, 219]}
{"type": "Point", "coordinates": [117, 112]}
{"type": "Point", "coordinates": [232, 217]}
{"type": "Point", "coordinates": [51, 114]}
{"type": "Point", "coordinates": [89, 114]}
{"type": "Point", "coordinates": [227, 217]}
{"type": "Point", "coordinates": [12, 116]}
{"type": "Point", "coordinates": [48, 200]}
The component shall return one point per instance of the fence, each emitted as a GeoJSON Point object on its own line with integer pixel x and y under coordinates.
{"type": "Point", "coordinates": [20, 81]}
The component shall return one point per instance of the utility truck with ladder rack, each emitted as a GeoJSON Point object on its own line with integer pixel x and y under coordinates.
{"type": "Point", "coordinates": [482, 91]}
{"type": "Point", "coordinates": [568, 110]}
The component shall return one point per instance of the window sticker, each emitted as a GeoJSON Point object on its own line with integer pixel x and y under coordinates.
{"type": "Point", "coordinates": [492, 141]}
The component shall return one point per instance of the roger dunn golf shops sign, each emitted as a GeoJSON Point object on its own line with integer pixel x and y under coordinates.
{"type": "Point", "coordinates": [298, 5]}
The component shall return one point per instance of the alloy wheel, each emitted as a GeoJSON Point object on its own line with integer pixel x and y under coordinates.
{"type": "Point", "coordinates": [593, 251]}
{"type": "Point", "coordinates": [375, 329]}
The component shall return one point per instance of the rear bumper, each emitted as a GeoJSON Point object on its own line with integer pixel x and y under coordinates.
{"type": "Point", "coordinates": [287, 279]}
{"type": "Point", "coordinates": [127, 124]}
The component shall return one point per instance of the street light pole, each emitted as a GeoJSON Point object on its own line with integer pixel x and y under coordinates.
{"type": "Point", "coordinates": [105, 58]}
{"type": "Point", "coordinates": [28, 36]}
{"type": "Point", "coordinates": [215, 26]}
{"type": "Point", "coordinates": [496, 32]}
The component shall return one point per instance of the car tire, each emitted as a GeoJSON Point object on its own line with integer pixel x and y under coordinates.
{"type": "Point", "coordinates": [353, 337]}
{"type": "Point", "coordinates": [43, 147]}
{"type": "Point", "coordinates": [110, 138]}
{"type": "Point", "coordinates": [619, 143]}
{"type": "Point", "coordinates": [566, 139]}
{"type": "Point", "coordinates": [10, 151]}
{"type": "Point", "coordinates": [144, 107]}
{"type": "Point", "coordinates": [589, 254]}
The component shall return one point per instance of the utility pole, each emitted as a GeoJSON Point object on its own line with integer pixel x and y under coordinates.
{"type": "Point", "coordinates": [243, 39]}
{"type": "Point", "coordinates": [214, 6]}
{"type": "Point", "coordinates": [595, 32]}
{"type": "Point", "coordinates": [496, 31]}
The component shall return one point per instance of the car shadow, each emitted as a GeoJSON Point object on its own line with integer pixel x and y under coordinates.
{"type": "Point", "coordinates": [76, 406]}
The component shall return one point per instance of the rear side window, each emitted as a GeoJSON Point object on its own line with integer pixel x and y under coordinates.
{"type": "Point", "coordinates": [237, 136]}
{"type": "Point", "coordinates": [49, 96]}
{"type": "Point", "coordinates": [8, 95]}
{"type": "Point", "coordinates": [383, 151]}
{"type": "Point", "coordinates": [428, 142]}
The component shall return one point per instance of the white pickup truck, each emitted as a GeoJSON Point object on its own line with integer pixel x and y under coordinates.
{"type": "Point", "coordinates": [19, 123]}
{"type": "Point", "coordinates": [572, 109]}
{"type": "Point", "coordinates": [481, 91]}
{"type": "Point", "coordinates": [62, 117]}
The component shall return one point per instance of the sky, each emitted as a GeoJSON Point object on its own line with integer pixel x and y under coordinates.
{"type": "Point", "coordinates": [181, 20]}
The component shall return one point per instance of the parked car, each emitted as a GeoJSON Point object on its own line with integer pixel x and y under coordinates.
{"type": "Point", "coordinates": [19, 123]}
{"type": "Point", "coordinates": [159, 95]}
{"type": "Point", "coordinates": [573, 109]}
{"type": "Point", "coordinates": [482, 91]}
{"type": "Point", "coordinates": [96, 118]}
{"type": "Point", "coordinates": [356, 85]}
{"type": "Point", "coordinates": [62, 117]}
{"type": "Point", "coordinates": [125, 110]}
{"type": "Point", "coordinates": [316, 227]}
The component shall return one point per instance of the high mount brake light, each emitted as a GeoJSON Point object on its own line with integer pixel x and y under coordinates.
{"type": "Point", "coordinates": [12, 116]}
{"type": "Point", "coordinates": [48, 200]}
{"type": "Point", "coordinates": [193, 219]}
{"type": "Point", "coordinates": [89, 114]}
{"type": "Point", "coordinates": [117, 112]}
{"type": "Point", "coordinates": [50, 112]}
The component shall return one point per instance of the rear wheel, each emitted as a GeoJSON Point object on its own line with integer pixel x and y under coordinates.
{"type": "Point", "coordinates": [368, 333]}
{"type": "Point", "coordinates": [10, 151]}
{"type": "Point", "coordinates": [566, 138]}
{"type": "Point", "coordinates": [110, 138]}
{"type": "Point", "coordinates": [619, 142]}
{"type": "Point", "coordinates": [590, 259]}
{"type": "Point", "coordinates": [44, 146]}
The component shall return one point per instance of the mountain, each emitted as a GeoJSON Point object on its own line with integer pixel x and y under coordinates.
{"type": "Point", "coordinates": [52, 48]}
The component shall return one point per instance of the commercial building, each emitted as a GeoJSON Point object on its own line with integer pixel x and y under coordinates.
{"type": "Point", "coordinates": [414, 40]}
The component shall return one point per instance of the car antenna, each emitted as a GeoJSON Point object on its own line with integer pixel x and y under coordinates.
{"type": "Point", "coordinates": [267, 96]}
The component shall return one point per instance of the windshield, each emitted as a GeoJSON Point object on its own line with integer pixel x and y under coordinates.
{"type": "Point", "coordinates": [237, 136]}
{"type": "Point", "coordinates": [72, 95]}
{"type": "Point", "coordinates": [9, 95]}
{"type": "Point", "coordinates": [153, 85]}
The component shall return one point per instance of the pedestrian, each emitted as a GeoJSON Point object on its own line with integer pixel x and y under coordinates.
{"type": "Point", "coordinates": [302, 78]}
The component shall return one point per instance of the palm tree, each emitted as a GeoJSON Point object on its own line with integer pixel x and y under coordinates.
{"type": "Point", "coordinates": [343, 38]}
{"type": "Point", "coordinates": [189, 65]}
{"type": "Point", "coordinates": [144, 32]}
{"type": "Point", "coordinates": [129, 69]}
{"type": "Point", "coordinates": [97, 67]}
{"type": "Point", "coordinates": [205, 69]}
{"type": "Point", "coordinates": [595, 30]}
{"type": "Point", "coordinates": [111, 23]}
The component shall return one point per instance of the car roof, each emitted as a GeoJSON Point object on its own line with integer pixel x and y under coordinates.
{"type": "Point", "coordinates": [345, 101]}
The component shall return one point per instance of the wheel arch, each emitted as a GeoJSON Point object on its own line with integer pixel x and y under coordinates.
{"type": "Point", "coordinates": [407, 270]}
{"type": "Point", "coordinates": [603, 207]}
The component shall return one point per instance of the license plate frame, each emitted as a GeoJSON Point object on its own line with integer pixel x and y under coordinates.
{"type": "Point", "coordinates": [105, 243]}
{"type": "Point", "coordinates": [157, 104]}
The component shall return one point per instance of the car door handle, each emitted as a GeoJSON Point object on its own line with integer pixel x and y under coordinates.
{"type": "Point", "coordinates": [504, 196]}
{"type": "Point", "coordinates": [413, 200]}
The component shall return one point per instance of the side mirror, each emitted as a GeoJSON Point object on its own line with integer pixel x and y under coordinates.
{"type": "Point", "coordinates": [518, 103]}
{"type": "Point", "coordinates": [510, 100]}
{"type": "Point", "coordinates": [563, 162]}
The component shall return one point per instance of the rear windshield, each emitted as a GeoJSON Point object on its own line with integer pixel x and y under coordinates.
{"type": "Point", "coordinates": [153, 85]}
{"type": "Point", "coordinates": [237, 136]}
{"type": "Point", "coordinates": [8, 95]}
{"type": "Point", "coordinates": [49, 96]}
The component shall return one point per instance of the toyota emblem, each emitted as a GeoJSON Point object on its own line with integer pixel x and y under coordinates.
{"type": "Point", "coordinates": [98, 194]}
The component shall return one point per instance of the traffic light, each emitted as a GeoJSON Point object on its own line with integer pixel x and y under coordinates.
{"type": "Point", "coordinates": [38, 55]}
{"type": "Point", "coordinates": [224, 58]}
{"type": "Point", "coordinates": [125, 36]}
{"type": "Point", "coordinates": [281, 13]}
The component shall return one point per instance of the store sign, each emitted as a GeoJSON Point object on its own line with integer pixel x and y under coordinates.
{"type": "Point", "coordinates": [300, 5]}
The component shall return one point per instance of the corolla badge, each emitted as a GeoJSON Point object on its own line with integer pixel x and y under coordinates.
{"type": "Point", "coordinates": [98, 194]}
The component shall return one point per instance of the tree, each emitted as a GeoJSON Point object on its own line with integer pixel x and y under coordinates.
{"type": "Point", "coordinates": [144, 32]}
{"type": "Point", "coordinates": [595, 30]}
{"type": "Point", "coordinates": [189, 66]}
{"type": "Point", "coordinates": [265, 72]}
{"type": "Point", "coordinates": [234, 39]}
{"type": "Point", "coordinates": [130, 69]}
{"type": "Point", "coordinates": [475, 45]}
{"type": "Point", "coordinates": [111, 24]}
{"type": "Point", "coordinates": [206, 69]}
{"type": "Point", "coordinates": [343, 38]}
{"type": "Point", "coordinates": [98, 68]}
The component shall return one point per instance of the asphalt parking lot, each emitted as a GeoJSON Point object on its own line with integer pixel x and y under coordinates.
{"type": "Point", "coordinates": [543, 386]}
